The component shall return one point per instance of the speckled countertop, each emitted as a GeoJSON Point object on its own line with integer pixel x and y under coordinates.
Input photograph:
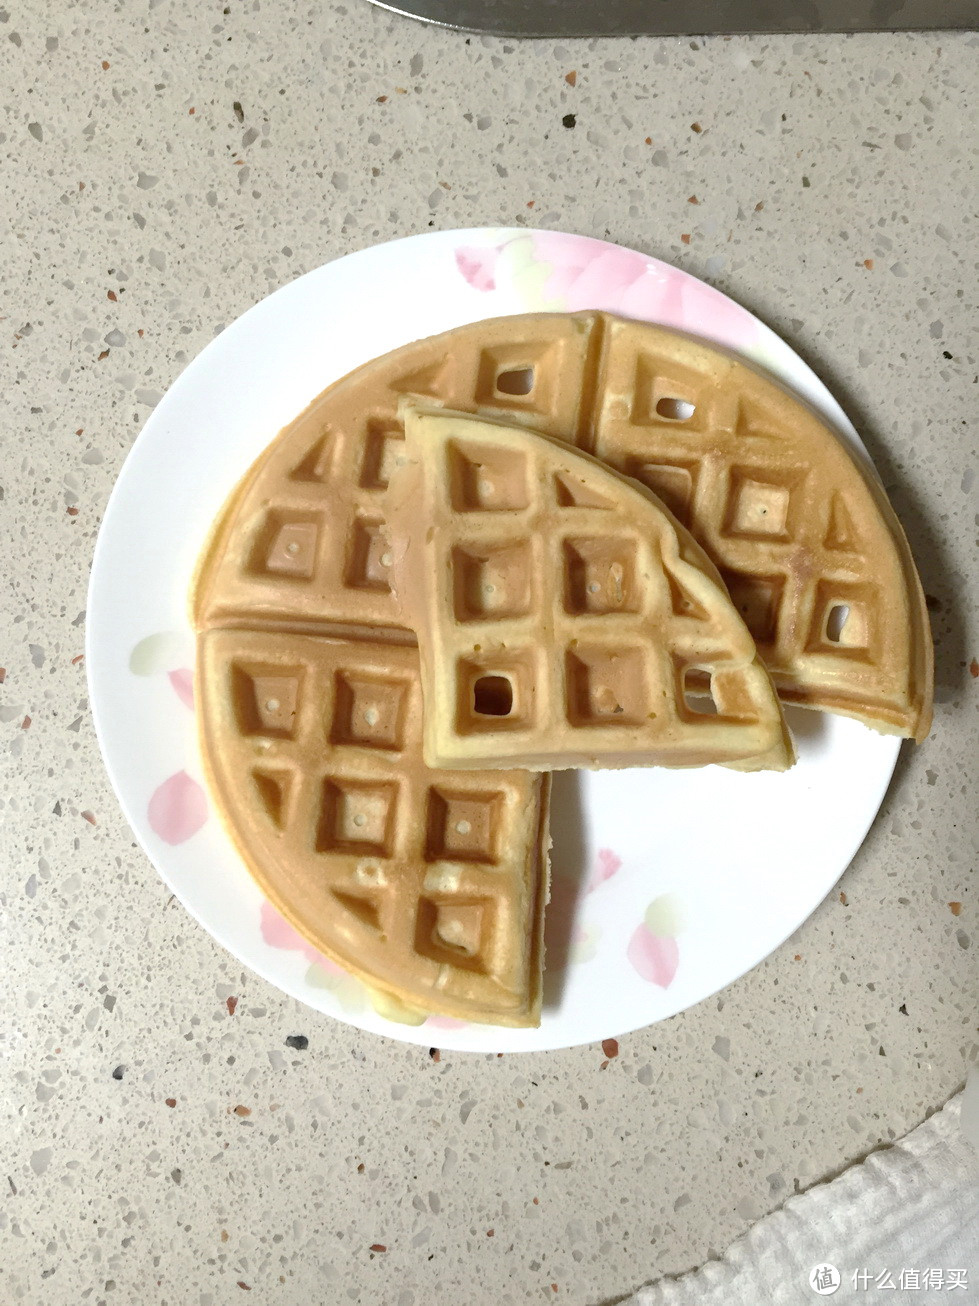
{"type": "Point", "coordinates": [166, 164]}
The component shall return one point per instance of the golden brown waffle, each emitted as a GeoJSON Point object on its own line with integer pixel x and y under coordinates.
{"type": "Point", "coordinates": [564, 618]}
{"type": "Point", "coordinates": [428, 885]}
{"type": "Point", "coordinates": [804, 537]}
{"type": "Point", "coordinates": [306, 538]}
{"type": "Point", "coordinates": [801, 530]}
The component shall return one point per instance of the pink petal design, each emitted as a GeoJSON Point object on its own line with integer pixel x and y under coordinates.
{"type": "Point", "coordinates": [608, 863]}
{"type": "Point", "coordinates": [445, 1022]}
{"type": "Point", "coordinates": [655, 958]}
{"type": "Point", "coordinates": [183, 682]}
{"type": "Point", "coordinates": [278, 933]}
{"type": "Point", "coordinates": [477, 264]}
{"type": "Point", "coordinates": [587, 273]}
{"type": "Point", "coordinates": [177, 809]}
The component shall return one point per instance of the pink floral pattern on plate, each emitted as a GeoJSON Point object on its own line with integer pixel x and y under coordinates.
{"type": "Point", "coordinates": [553, 271]}
{"type": "Point", "coordinates": [655, 957]}
{"type": "Point", "coordinates": [322, 973]}
{"type": "Point", "coordinates": [477, 264]}
{"type": "Point", "coordinates": [182, 681]}
{"type": "Point", "coordinates": [278, 933]}
{"type": "Point", "coordinates": [162, 651]}
{"type": "Point", "coordinates": [444, 1022]}
{"type": "Point", "coordinates": [584, 944]}
{"type": "Point", "coordinates": [177, 809]}
{"type": "Point", "coordinates": [653, 949]}
{"type": "Point", "coordinates": [607, 864]}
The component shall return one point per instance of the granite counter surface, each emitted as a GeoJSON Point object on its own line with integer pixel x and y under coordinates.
{"type": "Point", "coordinates": [166, 164]}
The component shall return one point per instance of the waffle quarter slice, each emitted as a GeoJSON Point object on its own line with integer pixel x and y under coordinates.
{"type": "Point", "coordinates": [428, 885]}
{"type": "Point", "coordinates": [800, 528]}
{"type": "Point", "coordinates": [564, 618]}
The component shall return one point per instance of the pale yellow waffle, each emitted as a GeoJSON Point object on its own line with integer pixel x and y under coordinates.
{"type": "Point", "coordinates": [564, 618]}
{"type": "Point", "coordinates": [428, 885]}
{"type": "Point", "coordinates": [805, 539]}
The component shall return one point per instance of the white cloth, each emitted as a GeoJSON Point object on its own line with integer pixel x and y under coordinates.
{"type": "Point", "coordinates": [913, 1206]}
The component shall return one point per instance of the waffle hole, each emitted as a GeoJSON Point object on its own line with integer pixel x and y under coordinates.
{"type": "Point", "coordinates": [698, 693]}
{"type": "Point", "coordinates": [839, 614]}
{"type": "Point", "coordinates": [518, 381]}
{"type": "Point", "coordinates": [676, 410]}
{"type": "Point", "coordinates": [492, 696]}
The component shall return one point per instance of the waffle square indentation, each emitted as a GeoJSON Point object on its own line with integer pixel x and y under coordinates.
{"type": "Point", "coordinates": [455, 931]}
{"type": "Point", "coordinates": [513, 375]}
{"type": "Point", "coordinates": [492, 581]}
{"type": "Point", "coordinates": [357, 817]}
{"type": "Point", "coordinates": [573, 491]}
{"type": "Point", "coordinates": [315, 465]}
{"type": "Point", "coordinates": [487, 479]}
{"type": "Point", "coordinates": [843, 620]}
{"type": "Point", "coordinates": [674, 483]}
{"type": "Point", "coordinates": [272, 788]}
{"type": "Point", "coordinates": [600, 575]}
{"type": "Point", "coordinates": [384, 450]}
{"type": "Point", "coordinates": [760, 504]}
{"type": "Point", "coordinates": [266, 699]}
{"type": "Point", "coordinates": [286, 545]}
{"type": "Point", "coordinates": [463, 825]}
{"type": "Point", "coordinates": [758, 599]}
{"type": "Point", "coordinates": [607, 686]}
{"type": "Point", "coordinates": [659, 399]}
{"type": "Point", "coordinates": [369, 710]}
{"type": "Point", "coordinates": [495, 693]}
{"type": "Point", "coordinates": [368, 560]}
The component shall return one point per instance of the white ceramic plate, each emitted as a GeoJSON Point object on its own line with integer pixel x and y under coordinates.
{"type": "Point", "coordinates": [667, 885]}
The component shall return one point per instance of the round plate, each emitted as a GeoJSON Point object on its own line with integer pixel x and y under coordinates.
{"type": "Point", "coordinates": [667, 885]}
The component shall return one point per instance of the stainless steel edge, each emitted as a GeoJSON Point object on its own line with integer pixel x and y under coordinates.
{"type": "Point", "coordinates": [589, 18]}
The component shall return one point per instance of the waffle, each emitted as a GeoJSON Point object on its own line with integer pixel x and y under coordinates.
{"type": "Point", "coordinates": [804, 537]}
{"type": "Point", "coordinates": [564, 618]}
{"type": "Point", "coordinates": [306, 536]}
{"type": "Point", "coordinates": [428, 885]}
{"type": "Point", "coordinates": [803, 534]}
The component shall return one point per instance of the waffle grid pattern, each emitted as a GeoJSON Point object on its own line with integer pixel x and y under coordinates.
{"type": "Point", "coordinates": [412, 872]}
{"type": "Point", "coordinates": [821, 578]}
{"type": "Point", "coordinates": [776, 514]}
{"type": "Point", "coordinates": [565, 618]}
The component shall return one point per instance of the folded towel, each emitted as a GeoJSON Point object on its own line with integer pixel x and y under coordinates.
{"type": "Point", "coordinates": [904, 1223]}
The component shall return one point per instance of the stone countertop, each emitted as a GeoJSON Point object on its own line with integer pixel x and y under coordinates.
{"type": "Point", "coordinates": [165, 165]}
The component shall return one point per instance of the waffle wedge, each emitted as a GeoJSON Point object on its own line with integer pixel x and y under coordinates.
{"type": "Point", "coordinates": [427, 885]}
{"type": "Point", "coordinates": [799, 526]}
{"type": "Point", "coordinates": [564, 618]}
